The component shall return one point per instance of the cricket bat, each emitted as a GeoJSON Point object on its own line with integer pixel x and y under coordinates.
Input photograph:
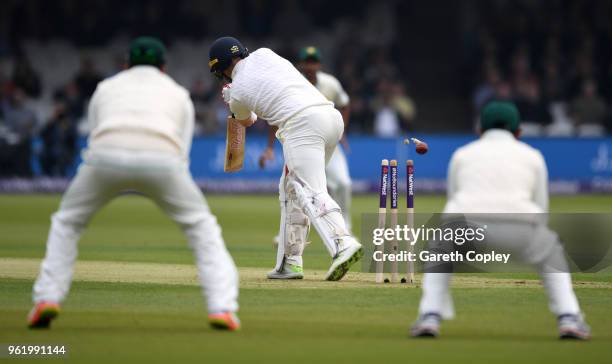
{"type": "Point", "coordinates": [234, 146]}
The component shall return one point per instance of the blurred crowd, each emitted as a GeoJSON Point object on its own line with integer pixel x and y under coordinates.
{"type": "Point", "coordinates": [55, 130]}
{"type": "Point", "coordinates": [357, 47]}
{"type": "Point", "coordinates": [553, 58]}
{"type": "Point", "coordinates": [44, 99]}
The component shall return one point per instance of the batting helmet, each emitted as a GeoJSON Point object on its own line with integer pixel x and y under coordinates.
{"type": "Point", "coordinates": [221, 53]}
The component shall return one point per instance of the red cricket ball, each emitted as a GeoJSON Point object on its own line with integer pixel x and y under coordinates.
{"type": "Point", "coordinates": [422, 148]}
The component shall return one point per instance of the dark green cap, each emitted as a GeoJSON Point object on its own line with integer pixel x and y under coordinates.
{"type": "Point", "coordinates": [147, 51]}
{"type": "Point", "coordinates": [500, 115]}
{"type": "Point", "coordinates": [309, 54]}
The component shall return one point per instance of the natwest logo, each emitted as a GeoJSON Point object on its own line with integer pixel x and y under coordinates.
{"type": "Point", "coordinates": [383, 186]}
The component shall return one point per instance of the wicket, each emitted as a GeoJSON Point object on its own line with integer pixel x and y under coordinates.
{"type": "Point", "coordinates": [388, 180]}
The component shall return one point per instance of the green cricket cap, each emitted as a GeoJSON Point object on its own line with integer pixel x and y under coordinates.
{"type": "Point", "coordinates": [309, 54]}
{"type": "Point", "coordinates": [500, 115]}
{"type": "Point", "coordinates": [147, 51]}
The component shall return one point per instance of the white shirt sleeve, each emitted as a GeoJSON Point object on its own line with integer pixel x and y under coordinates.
{"type": "Point", "coordinates": [188, 126]}
{"type": "Point", "coordinates": [342, 98]}
{"type": "Point", "coordinates": [92, 109]}
{"type": "Point", "coordinates": [240, 111]}
{"type": "Point", "coordinates": [540, 193]}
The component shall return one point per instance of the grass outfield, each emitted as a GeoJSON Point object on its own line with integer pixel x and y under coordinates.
{"type": "Point", "coordinates": [135, 296]}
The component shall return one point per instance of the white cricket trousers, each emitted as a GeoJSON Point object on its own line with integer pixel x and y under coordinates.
{"type": "Point", "coordinates": [339, 183]}
{"type": "Point", "coordinates": [534, 244]}
{"type": "Point", "coordinates": [166, 180]}
{"type": "Point", "coordinates": [309, 139]}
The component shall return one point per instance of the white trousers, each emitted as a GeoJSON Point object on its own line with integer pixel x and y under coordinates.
{"type": "Point", "coordinates": [536, 245]}
{"type": "Point", "coordinates": [309, 140]}
{"type": "Point", "coordinates": [166, 180]}
{"type": "Point", "coordinates": [339, 183]}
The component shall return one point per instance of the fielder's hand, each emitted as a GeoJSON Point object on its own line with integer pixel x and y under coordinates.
{"type": "Point", "coordinates": [267, 155]}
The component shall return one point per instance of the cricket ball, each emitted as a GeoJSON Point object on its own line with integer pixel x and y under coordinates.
{"type": "Point", "coordinates": [422, 148]}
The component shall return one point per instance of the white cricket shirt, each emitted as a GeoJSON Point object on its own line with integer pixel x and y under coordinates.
{"type": "Point", "coordinates": [331, 88]}
{"type": "Point", "coordinates": [497, 174]}
{"type": "Point", "coordinates": [272, 88]}
{"type": "Point", "coordinates": [141, 108]}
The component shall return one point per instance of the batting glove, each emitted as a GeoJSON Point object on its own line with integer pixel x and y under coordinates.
{"type": "Point", "coordinates": [226, 93]}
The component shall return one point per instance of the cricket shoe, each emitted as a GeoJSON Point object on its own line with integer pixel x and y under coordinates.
{"type": "Point", "coordinates": [42, 314]}
{"type": "Point", "coordinates": [573, 327]}
{"type": "Point", "coordinates": [428, 325]}
{"type": "Point", "coordinates": [349, 253]}
{"type": "Point", "coordinates": [289, 271]}
{"type": "Point", "coordinates": [224, 321]}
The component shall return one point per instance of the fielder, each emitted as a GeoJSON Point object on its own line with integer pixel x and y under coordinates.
{"type": "Point", "coordinates": [337, 172]}
{"type": "Point", "coordinates": [143, 125]}
{"type": "Point", "coordinates": [266, 85]}
{"type": "Point", "coordinates": [500, 174]}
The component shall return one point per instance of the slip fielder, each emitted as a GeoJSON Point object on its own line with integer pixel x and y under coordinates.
{"type": "Point", "coordinates": [266, 85]}
{"type": "Point", "coordinates": [500, 174]}
{"type": "Point", "coordinates": [337, 172]}
{"type": "Point", "coordinates": [142, 129]}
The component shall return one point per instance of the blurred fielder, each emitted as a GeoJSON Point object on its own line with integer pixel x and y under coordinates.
{"type": "Point", "coordinates": [500, 174]}
{"type": "Point", "coordinates": [336, 171]}
{"type": "Point", "coordinates": [142, 129]}
{"type": "Point", "coordinates": [266, 85]}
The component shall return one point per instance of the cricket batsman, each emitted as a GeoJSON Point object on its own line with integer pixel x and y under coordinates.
{"type": "Point", "coordinates": [142, 129]}
{"type": "Point", "coordinates": [500, 174]}
{"type": "Point", "coordinates": [337, 172]}
{"type": "Point", "coordinates": [263, 84]}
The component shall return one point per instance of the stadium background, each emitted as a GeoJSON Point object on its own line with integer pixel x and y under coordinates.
{"type": "Point", "coordinates": [410, 67]}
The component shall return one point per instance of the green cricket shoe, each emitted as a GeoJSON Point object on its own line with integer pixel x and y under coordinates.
{"type": "Point", "coordinates": [350, 253]}
{"type": "Point", "coordinates": [289, 271]}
